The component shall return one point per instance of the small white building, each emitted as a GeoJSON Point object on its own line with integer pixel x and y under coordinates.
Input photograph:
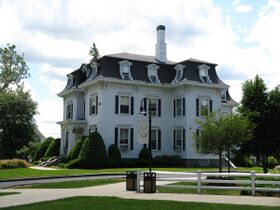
{"type": "Point", "coordinates": [106, 96]}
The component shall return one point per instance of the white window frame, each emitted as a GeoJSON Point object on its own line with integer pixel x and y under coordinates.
{"type": "Point", "coordinates": [70, 80]}
{"type": "Point", "coordinates": [156, 139]}
{"type": "Point", "coordinates": [179, 73]}
{"type": "Point", "coordinates": [223, 95]}
{"type": "Point", "coordinates": [124, 147]}
{"type": "Point", "coordinates": [91, 104]}
{"type": "Point", "coordinates": [120, 104]}
{"type": "Point", "coordinates": [152, 113]}
{"type": "Point", "coordinates": [125, 69]}
{"type": "Point", "coordinates": [201, 107]}
{"type": "Point", "coordinates": [203, 73]}
{"type": "Point", "coordinates": [176, 107]}
{"type": "Point", "coordinates": [153, 73]}
{"type": "Point", "coordinates": [71, 111]}
{"type": "Point", "coordinates": [179, 138]}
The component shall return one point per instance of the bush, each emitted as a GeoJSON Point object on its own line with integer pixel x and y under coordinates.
{"type": "Point", "coordinates": [28, 152]}
{"type": "Point", "coordinates": [42, 148]}
{"type": "Point", "coordinates": [114, 152]}
{"type": "Point", "coordinates": [13, 163]}
{"type": "Point", "coordinates": [73, 164]}
{"type": "Point", "coordinates": [92, 154]}
{"type": "Point", "coordinates": [53, 149]}
{"type": "Point", "coordinates": [144, 154]}
{"type": "Point", "coordinates": [75, 151]}
{"type": "Point", "coordinates": [242, 161]}
{"type": "Point", "coordinates": [168, 161]}
{"type": "Point", "coordinates": [272, 162]}
{"type": "Point", "coordinates": [127, 163]}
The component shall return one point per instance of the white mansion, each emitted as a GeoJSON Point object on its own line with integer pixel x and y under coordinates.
{"type": "Point", "coordinates": [106, 95]}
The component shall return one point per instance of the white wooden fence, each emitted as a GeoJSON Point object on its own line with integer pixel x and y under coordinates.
{"type": "Point", "coordinates": [252, 183]}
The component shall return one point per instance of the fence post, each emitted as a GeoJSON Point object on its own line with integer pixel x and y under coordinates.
{"type": "Point", "coordinates": [253, 183]}
{"type": "Point", "coordinates": [199, 182]}
{"type": "Point", "coordinates": [138, 189]}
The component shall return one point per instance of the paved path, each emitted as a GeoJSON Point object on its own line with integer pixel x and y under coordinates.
{"type": "Point", "coordinates": [118, 190]}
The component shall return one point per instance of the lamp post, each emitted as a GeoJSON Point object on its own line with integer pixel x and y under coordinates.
{"type": "Point", "coordinates": [144, 112]}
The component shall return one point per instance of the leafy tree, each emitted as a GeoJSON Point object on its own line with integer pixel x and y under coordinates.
{"type": "Point", "coordinates": [263, 109]}
{"type": "Point", "coordinates": [12, 67]}
{"type": "Point", "coordinates": [17, 126]}
{"type": "Point", "coordinates": [94, 53]}
{"type": "Point", "coordinates": [43, 147]}
{"type": "Point", "coordinates": [222, 133]}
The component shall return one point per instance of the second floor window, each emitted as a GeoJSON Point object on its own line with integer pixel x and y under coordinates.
{"type": "Point", "coordinates": [152, 107]}
{"type": "Point", "coordinates": [93, 105]}
{"type": "Point", "coordinates": [203, 107]}
{"type": "Point", "coordinates": [179, 107]}
{"type": "Point", "coordinates": [69, 112]}
{"type": "Point", "coordinates": [124, 104]}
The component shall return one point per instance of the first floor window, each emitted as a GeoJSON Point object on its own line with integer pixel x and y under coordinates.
{"type": "Point", "coordinates": [124, 138]}
{"type": "Point", "coordinates": [69, 111]}
{"type": "Point", "coordinates": [178, 139]}
{"type": "Point", "coordinates": [154, 139]}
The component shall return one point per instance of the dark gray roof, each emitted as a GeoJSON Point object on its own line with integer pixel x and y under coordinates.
{"type": "Point", "coordinates": [108, 66]}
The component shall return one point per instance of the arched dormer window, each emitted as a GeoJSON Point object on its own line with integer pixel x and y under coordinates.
{"type": "Point", "coordinates": [179, 73]}
{"type": "Point", "coordinates": [94, 69]}
{"type": "Point", "coordinates": [152, 73]}
{"type": "Point", "coordinates": [125, 70]}
{"type": "Point", "coordinates": [70, 80]}
{"type": "Point", "coordinates": [203, 73]}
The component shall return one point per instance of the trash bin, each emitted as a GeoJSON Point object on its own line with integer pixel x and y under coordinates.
{"type": "Point", "coordinates": [131, 180]}
{"type": "Point", "coordinates": [149, 182]}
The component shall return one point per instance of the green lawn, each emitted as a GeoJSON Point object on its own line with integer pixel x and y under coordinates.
{"type": "Point", "coordinates": [8, 193]}
{"type": "Point", "coordinates": [100, 203]}
{"type": "Point", "coordinates": [28, 172]}
{"type": "Point", "coordinates": [74, 184]}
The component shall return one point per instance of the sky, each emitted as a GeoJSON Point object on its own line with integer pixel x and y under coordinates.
{"type": "Point", "coordinates": [241, 36]}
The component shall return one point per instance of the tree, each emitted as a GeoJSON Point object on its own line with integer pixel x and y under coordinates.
{"type": "Point", "coordinates": [42, 148]}
{"type": "Point", "coordinates": [222, 133]}
{"type": "Point", "coordinates": [94, 53]}
{"type": "Point", "coordinates": [12, 67]}
{"type": "Point", "coordinates": [17, 125]}
{"type": "Point", "coordinates": [262, 108]}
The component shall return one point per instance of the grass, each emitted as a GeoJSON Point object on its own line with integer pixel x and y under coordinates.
{"type": "Point", "coordinates": [8, 193]}
{"type": "Point", "coordinates": [73, 184]}
{"type": "Point", "coordinates": [28, 172]}
{"type": "Point", "coordinates": [100, 203]}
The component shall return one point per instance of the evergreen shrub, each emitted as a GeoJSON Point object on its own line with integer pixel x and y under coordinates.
{"type": "Point", "coordinates": [75, 151]}
{"type": "Point", "coordinates": [53, 149]}
{"type": "Point", "coordinates": [42, 148]}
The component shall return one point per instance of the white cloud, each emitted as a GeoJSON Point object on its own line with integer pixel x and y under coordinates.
{"type": "Point", "coordinates": [243, 8]}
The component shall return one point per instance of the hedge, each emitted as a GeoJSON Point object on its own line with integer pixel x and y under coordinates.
{"type": "Point", "coordinates": [13, 163]}
{"type": "Point", "coordinates": [75, 151]}
{"type": "Point", "coordinates": [53, 149]}
{"type": "Point", "coordinates": [41, 150]}
{"type": "Point", "coordinates": [114, 152]}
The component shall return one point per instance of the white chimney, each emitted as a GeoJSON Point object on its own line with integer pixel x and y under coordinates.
{"type": "Point", "coordinates": [161, 45]}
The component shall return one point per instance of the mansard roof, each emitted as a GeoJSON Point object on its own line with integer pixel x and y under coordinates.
{"type": "Point", "coordinates": [108, 66]}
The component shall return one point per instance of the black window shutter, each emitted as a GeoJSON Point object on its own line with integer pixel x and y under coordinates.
{"type": "Point", "coordinates": [159, 107]}
{"type": "Point", "coordinates": [71, 111]}
{"type": "Point", "coordinates": [96, 104]}
{"type": "Point", "coordinates": [132, 105]}
{"type": "Point", "coordinates": [174, 139]}
{"type": "Point", "coordinates": [145, 106]}
{"type": "Point", "coordinates": [174, 108]}
{"type": "Point", "coordinates": [116, 135]}
{"type": "Point", "coordinates": [90, 106]}
{"type": "Point", "coordinates": [116, 104]}
{"type": "Point", "coordinates": [184, 109]}
{"type": "Point", "coordinates": [131, 139]}
{"type": "Point", "coordinates": [197, 107]}
{"type": "Point", "coordinates": [159, 139]}
{"type": "Point", "coordinates": [184, 139]}
{"type": "Point", "coordinates": [211, 105]}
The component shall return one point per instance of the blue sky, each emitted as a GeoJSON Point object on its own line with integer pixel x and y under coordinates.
{"type": "Point", "coordinates": [241, 36]}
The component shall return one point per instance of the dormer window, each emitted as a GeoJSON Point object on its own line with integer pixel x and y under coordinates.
{"type": "Point", "coordinates": [179, 73]}
{"type": "Point", "coordinates": [152, 73]}
{"type": "Point", "coordinates": [125, 70]}
{"type": "Point", "coordinates": [70, 80]}
{"type": "Point", "coordinates": [94, 67]}
{"type": "Point", "coordinates": [203, 73]}
{"type": "Point", "coordinates": [223, 96]}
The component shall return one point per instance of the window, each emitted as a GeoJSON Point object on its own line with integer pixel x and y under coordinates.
{"type": "Point", "coordinates": [223, 96]}
{"type": "Point", "coordinates": [124, 104]}
{"type": "Point", "coordinates": [197, 143]}
{"type": "Point", "coordinates": [179, 140]}
{"type": "Point", "coordinates": [203, 73]}
{"type": "Point", "coordinates": [203, 107]}
{"type": "Point", "coordinates": [179, 107]}
{"type": "Point", "coordinates": [152, 107]}
{"type": "Point", "coordinates": [69, 111]}
{"type": "Point", "coordinates": [92, 129]}
{"type": "Point", "coordinates": [124, 138]}
{"type": "Point", "coordinates": [152, 73]}
{"type": "Point", "coordinates": [70, 80]}
{"type": "Point", "coordinates": [154, 139]}
{"type": "Point", "coordinates": [125, 70]}
{"type": "Point", "coordinates": [179, 73]}
{"type": "Point", "coordinates": [93, 105]}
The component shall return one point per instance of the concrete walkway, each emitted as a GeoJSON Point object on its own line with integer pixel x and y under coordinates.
{"type": "Point", "coordinates": [27, 196]}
